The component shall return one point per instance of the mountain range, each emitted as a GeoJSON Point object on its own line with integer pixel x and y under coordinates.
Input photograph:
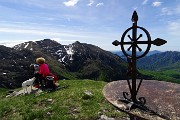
{"type": "Point", "coordinates": [120, 53]}
{"type": "Point", "coordinates": [77, 61]}
{"type": "Point", "coordinates": [160, 61]}
{"type": "Point", "coordinates": [74, 61]}
{"type": "Point", "coordinates": [161, 66]}
{"type": "Point", "coordinates": [156, 60]}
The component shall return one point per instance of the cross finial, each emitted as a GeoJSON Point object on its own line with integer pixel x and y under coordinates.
{"type": "Point", "coordinates": [134, 17]}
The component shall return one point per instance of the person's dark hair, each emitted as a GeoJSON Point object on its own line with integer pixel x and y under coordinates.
{"type": "Point", "coordinates": [32, 67]}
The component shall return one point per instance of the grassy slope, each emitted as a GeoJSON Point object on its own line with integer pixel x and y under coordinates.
{"type": "Point", "coordinates": [66, 104]}
{"type": "Point", "coordinates": [172, 75]}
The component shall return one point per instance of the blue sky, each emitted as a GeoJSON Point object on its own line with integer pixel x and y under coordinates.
{"type": "Point", "coordinates": [97, 22]}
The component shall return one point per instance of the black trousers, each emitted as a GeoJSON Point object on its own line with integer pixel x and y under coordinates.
{"type": "Point", "coordinates": [39, 79]}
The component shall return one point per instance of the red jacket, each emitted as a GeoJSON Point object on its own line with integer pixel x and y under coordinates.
{"type": "Point", "coordinates": [44, 70]}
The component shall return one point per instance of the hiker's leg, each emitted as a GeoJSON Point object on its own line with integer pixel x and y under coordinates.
{"type": "Point", "coordinates": [41, 79]}
{"type": "Point", "coordinates": [36, 81]}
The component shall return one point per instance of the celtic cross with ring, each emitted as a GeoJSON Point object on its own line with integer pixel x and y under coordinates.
{"type": "Point", "coordinates": [134, 40]}
{"type": "Point", "coordinates": [131, 58]}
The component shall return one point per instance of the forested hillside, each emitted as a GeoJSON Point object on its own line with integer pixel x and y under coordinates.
{"type": "Point", "coordinates": [162, 66]}
{"type": "Point", "coordinates": [161, 61]}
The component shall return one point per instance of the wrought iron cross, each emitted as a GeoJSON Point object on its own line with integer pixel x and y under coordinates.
{"type": "Point", "coordinates": [132, 58]}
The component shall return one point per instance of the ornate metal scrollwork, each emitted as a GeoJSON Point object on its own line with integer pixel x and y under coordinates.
{"type": "Point", "coordinates": [126, 95]}
{"type": "Point", "coordinates": [142, 100]}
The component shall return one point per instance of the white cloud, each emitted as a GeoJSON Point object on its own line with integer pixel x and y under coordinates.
{"type": "Point", "coordinates": [39, 32]}
{"type": "Point", "coordinates": [170, 11]}
{"type": "Point", "coordinates": [144, 2]}
{"type": "Point", "coordinates": [64, 41]}
{"type": "Point", "coordinates": [174, 27]}
{"type": "Point", "coordinates": [99, 4]}
{"type": "Point", "coordinates": [135, 8]}
{"type": "Point", "coordinates": [156, 4]}
{"type": "Point", "coordinates": [8, 43]}
{"type": "Point", "coordinates": [71, 3]}
{"type": "Point", "coordinates": [90, 2]}
{"type": "Point", "coordinates": [177, 9]}
{"type": "Point", "coordinates": [166, 11]}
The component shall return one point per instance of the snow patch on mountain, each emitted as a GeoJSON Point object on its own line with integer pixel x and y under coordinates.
{"type": "Point", "coordinates": [26, 45]}
{"type": "Point", "coordinates": [69, 51]}
{"type": "Point", "coordinates": [31, 49]}
{"type": "Point", "coordinates": [65, 53]}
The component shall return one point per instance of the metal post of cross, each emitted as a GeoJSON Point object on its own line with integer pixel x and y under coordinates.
{"type": "Point", "coordinates": [132, 58]}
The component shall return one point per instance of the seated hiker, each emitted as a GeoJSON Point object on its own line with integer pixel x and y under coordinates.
{"type": "Point", "coordinates": [41, 73]}
{"type": "Point", "coordinates": [44, 76]}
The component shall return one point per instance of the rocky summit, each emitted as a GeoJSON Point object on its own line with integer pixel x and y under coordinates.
{"type": "Point", "coordinates": [73, 61]}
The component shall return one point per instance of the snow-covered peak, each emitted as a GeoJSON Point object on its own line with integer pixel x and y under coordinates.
{"type": "Point", "coordinates": [69, 49]}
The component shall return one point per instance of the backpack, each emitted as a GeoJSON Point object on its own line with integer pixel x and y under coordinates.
{"type": "Point", "coordinates": [55, 77]}
{"type": "Point", "coordinates": [51, 79]}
